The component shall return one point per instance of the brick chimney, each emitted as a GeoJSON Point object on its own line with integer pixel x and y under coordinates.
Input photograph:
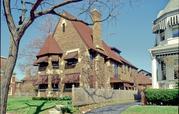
{"type": "Point", "coordinates": [96, 16]}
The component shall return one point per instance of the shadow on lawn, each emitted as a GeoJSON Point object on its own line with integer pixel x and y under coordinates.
{"type": "Point", "coordinates": [39, 107]}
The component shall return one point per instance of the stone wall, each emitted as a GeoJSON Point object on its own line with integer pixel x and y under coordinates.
{"type": "Point", "coordinates": [84, 96]}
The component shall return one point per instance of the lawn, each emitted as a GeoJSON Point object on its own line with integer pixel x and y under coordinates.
{"type": "Point", "coordinates": [25, 105]}
{"type": "Point", "coordinates": [151, 110]}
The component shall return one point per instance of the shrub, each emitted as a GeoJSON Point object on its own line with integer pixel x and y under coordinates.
{"type": "Point", "coordinates": [162, 96]}
{"type": "Point", "coordinates": [67, 108]}
{"type": "Point", "coordinates": [65, 98]}
{"type": "Point", "coordinates": [44, 98]}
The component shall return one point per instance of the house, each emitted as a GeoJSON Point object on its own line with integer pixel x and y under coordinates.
{"type": "Point", "coordinates": [144, 72]}
{"type": "Point", "coordinates": [165, 53]}
{"type": "Point", "coordinates": [75, 54]}
{"type": "Point", "coordinates": [12, 86]}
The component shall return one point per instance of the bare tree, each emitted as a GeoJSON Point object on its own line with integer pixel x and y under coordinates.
{"type": "Point", "coordinates": [46, 27]}
{"type": "Point", "coordinates": [29, 11]}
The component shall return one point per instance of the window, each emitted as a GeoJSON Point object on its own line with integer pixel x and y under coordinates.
{"type": "Point", "coordinates": [175, 32]}
{"type": "Point", "coordinates": [55, 64]}
{"type": "Point", "coordinates": [43, 87]}
{"type": "Point", "coordinates": [71, 63]}
{"type": "Point", "coordinates": [68, 86]}
{"type": "Point", "coordinates": [55, 87]}
{"type": "Point", "coordinates": [163, 68]}
{"type": "Point", "coordinates": [116, 70]}
{"type": "Point", "coordinates": [176, 74]}
{"type": "Point", "coordinates": [92, 56]}
{"type": "Point", "coordinates": [63, 27]}
{"type": "Point", "coordinates": [43, 66]}
{"type": "Point", "coordinates": [162, 36]}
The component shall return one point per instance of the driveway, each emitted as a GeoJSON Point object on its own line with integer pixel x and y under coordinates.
{"type": "Point", "coordinates": [113, 109]}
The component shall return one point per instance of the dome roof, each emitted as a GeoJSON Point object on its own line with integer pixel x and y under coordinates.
{"type": "Point", "coordinates": [171, 6]}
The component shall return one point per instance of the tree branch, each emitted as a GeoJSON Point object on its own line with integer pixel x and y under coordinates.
{"type": "Point", "coordinates": [74, 19]}
{"type": "Point", "coordinates": [34, 7]}
{"type": "Point", "coordinates": [8, 16]}
{"type": "Point", "coordinates": [48, 11]}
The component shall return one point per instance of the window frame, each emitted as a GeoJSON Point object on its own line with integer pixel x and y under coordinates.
{"type": "Point", "coordinates": [175, 33]}
{"type": "Point", "coordinates": [55, 65]}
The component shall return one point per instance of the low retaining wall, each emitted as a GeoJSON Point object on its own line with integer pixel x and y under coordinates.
{"type": "Point", "coordinates": [84, 96]}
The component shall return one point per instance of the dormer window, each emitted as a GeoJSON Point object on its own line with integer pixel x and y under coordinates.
{"type": "Point", "coordinates": [71, 59]}
{"type": "Point", "coordinates": [71, 63]}
{"type": "Point", "coordinates": [63, 27]}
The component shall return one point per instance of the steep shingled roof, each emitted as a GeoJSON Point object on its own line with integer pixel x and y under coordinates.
{"type": "Point", "coordinates": [50, 47]}
{"type": "Point", "coordinates": [86, 35]}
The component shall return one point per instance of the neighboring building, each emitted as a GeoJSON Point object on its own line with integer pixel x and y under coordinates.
{"type": "Point", "coordinates": [12, 86]}
{"type": "Point", "coordinates": [165, 53]}
{"type": "Point", "coordinates": [76, 55]}
{"type": "Point", "coordinates": [2, 65]}
{"type": "Point", "coordinates": [145, 73]}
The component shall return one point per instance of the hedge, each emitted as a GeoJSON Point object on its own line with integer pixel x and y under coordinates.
{"type": "Point", "coordinates": [65, 98]}
{"type": "Point", "coordinates": [162, 96]}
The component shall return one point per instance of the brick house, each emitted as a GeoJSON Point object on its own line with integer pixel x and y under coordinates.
{"type": "Point", "coordinates": [75, 54]}
{"type": "Point", "coordinates": [12, 87]}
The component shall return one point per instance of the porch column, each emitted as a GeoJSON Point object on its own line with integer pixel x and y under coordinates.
{"type": "Point", "coordinates": [154, 73]}
{"type": "Point", "coordinates": [49, 86]}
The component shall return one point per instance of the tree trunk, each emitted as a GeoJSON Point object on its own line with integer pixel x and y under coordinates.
{"type": "Point", "coordinates": [10, 64]}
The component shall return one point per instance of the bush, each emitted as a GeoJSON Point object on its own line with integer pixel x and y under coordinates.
{"type": "Point", "coordinates": [65, 98]}
{"type": "Point", "coordinates": [162, 96]}
{"type": "Point", "coordinates": [67, 108]}
{"type": "Point", "coordinates": [44, 98]}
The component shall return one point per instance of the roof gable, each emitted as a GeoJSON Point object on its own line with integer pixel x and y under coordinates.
{"type": "Point", "coordinates": [50, 47]}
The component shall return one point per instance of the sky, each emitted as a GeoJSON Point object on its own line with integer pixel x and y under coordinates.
{"type": "Point", "coordinates": [131, 33]}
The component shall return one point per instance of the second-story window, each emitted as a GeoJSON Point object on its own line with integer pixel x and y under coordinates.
{"type": "Point", "coordinates": [71, 63]}
{"type": "Point", "coordinates": [55, 64]}
{"type": "Point", "coordinates": [175, 32]}
{"type": "Point", "coordinates": [116, 69]}
{"type": "Point", "coordinates": [43, 66]}
{"type": "Point", "coordinates": [71, 59]}
{"type": "Point", "coordinates": [162, 36]}
{"type": "Point", "coordinates": [92, 56]}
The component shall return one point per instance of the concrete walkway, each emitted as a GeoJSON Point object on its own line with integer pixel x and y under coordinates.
{"type": "Point", "coordinates": [113, 109]}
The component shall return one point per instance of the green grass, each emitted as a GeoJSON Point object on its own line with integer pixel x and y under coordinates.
{"type": "Point", "coordinates": [25, 105]}
{"type": "Point", "coordinates": [151, 110]}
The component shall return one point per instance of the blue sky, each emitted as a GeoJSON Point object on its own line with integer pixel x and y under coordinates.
{"type": "Point", "coordinates": [131, 32]}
